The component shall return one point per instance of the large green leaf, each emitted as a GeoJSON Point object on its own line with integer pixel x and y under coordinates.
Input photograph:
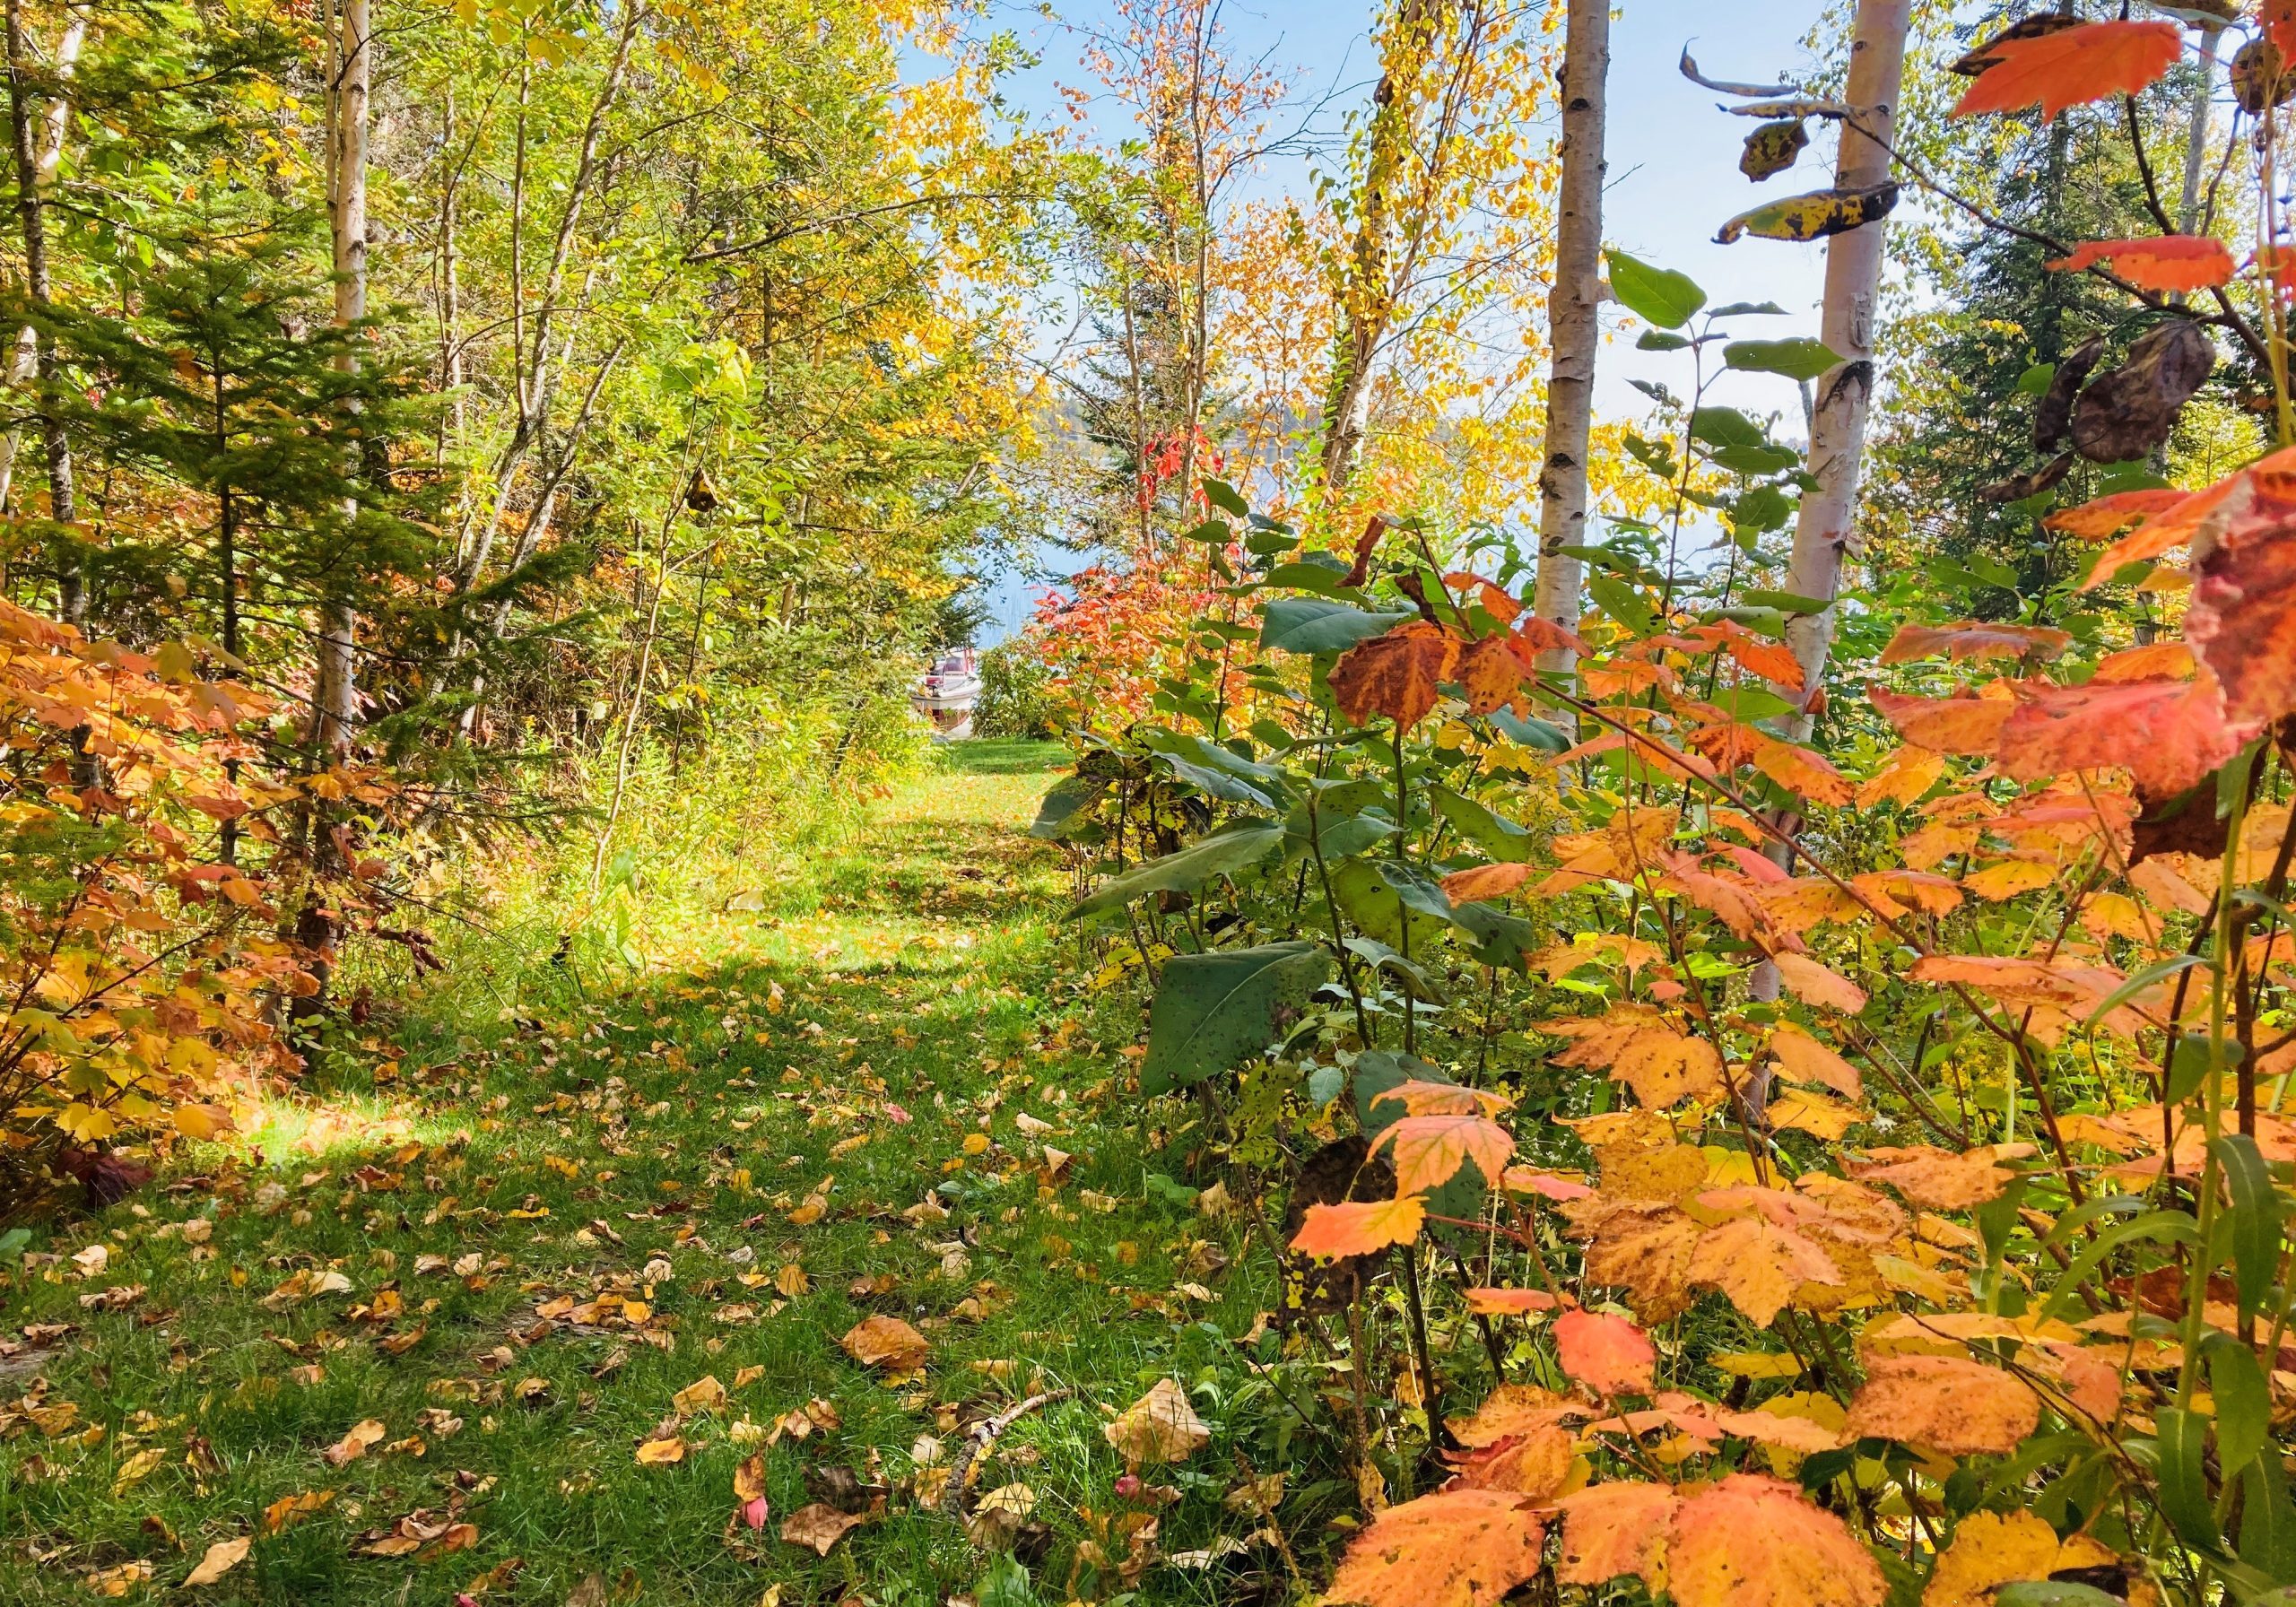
{"type": "Point", "coordinates": [1376, 894]}
{"type": "Point", "coordinates": [2181, 1439]}
{"type": "Point", "coordinates": [1497, 836]}
{"type": "Point", "coordinates": [1215, 1011]}
{"type": "Point", "coordinates": [1795, 359]}
{"type": "Point", "coordinates": [2267, 1521]}
{"type": "Point", "coordinates": [1066, 804]}
{"type": "Point", "coordinates": [1234, 847]}
{"type": "Point", "coordinates": [1659, 296]}
{"type": "Point", "coordinates": [1219, 771]}
{"type": "Point", "coordinates": [1315, 625]}
{"type": "Point", "coordinates": [2256, 1208]}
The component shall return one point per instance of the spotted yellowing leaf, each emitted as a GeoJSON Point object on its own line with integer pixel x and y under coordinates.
{"type": "Point", "coordinates": [1483, 881]}
{"type": "Point", "coordinates": [1818, 984]}
{"type": "Point", "coordinates": [1635, 1044]}
{"type": "Point", "coordinates": [1359, 1227]}
{"type": "Point", "coordinates": [1419, 1097]}
{"type": "Point", "coordinates": [2164, 262]}
{"type": "Point", "coordinates": [1607, 1353]}
{"type": "Point", "coordinates": [1396, 675]}
{"type": "Point", "coordinates": [1615, 1528]}
{"type": "Point", "coordinates": [2073, 66]}
{"type": "Point", "coordinates": [1427, 1151]}
{"type": "Point", "coordinates": [1537, 1465]}
{"type": "Point", "coordinates": [1946, 1404]}
{"type": "Point", "coordinates": [1935, 1179]}
{"type": "Point", "coordinates": [1459, 1548]}
{"type": "Point", "coordinates": [1993, 1548]}
{"type": "Point", "coordinates": [1490, 672]}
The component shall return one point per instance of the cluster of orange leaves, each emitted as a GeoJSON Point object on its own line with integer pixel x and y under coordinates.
{"type": "Point", "coordinates": [135, 964]}
{"type": "Point", "coordinates": [1663, 1219]}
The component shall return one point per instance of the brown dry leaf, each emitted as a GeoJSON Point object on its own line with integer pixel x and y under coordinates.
{"type": "Point", "coordinates": [1945, 1404]}
{"type": "Point", "coordinates": [361, 1438]}
{"type": "Point", "coordinates": [887, 1342]}
{"type": "Point", "coordinates": [1460, 1547]}
{"type": "Point", "coordinates": [819, 1525]}
{"type": "Point", "coordinates": [1160, 1427]}
{"type": "Point", "coordinates": [222, 1557]}
{"type": "Point", "coordinates": [661, 1453]}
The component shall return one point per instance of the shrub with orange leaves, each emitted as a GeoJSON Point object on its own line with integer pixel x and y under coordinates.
{"type": "Point", "coordinates": [139, 963]}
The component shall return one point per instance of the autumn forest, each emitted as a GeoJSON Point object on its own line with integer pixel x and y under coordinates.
{"type": "Point", "coordinates": [903, 803]}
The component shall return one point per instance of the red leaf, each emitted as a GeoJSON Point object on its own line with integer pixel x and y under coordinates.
{"type": "Point", "coordinates": [2241, 622]}
{"type": "Point", "coordinates": [1944, 724]}
{"type": "Point", "coordinates": [1394, 674]}
{"type": "Point", "coordinates": [2166, 262]}
{"type": "Point", "coordinates": [2073, 66]}
{"type": "Point", "coordinates": [2166, 734]}
{"type": "Point", "coordinates": [1607, 1354]}
{"type": "Point", "coordinates": [2260, 495]}
{"type": "Point", "coordinates": [1365, 546]}
{"type": "Point", "coordinates": [1534, 636]}
{"type": "Point", "coordinates": [2279, 19]}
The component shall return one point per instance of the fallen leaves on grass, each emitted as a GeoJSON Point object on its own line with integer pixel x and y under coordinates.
{"type": "Point", "coordinates": [887, 1342]}
{"type": "Point", "coordinates": [1160, 1427]}
{"type": "Point", "coordinates": [222, 1557]}
{"type": "Point", "coordinates": [819, 1525]}
{"type": "Point", "coordinates": [361, 1438]}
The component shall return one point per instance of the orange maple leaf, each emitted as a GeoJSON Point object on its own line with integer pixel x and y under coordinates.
{"type": "Point", "coordinates": [1936, 1180]}
{"type": "Point", "coordinates": [1534, 636]}
{"type": "Point", "coordinates": [1943, 725]}
{"type": "Point", "coordinates": [1607, 1354]}
{"type": "Point", "coordinates": [1802, 1058]}
{"type": "Point", "coordinates": [1748, 1540]}
{"type": "Point", "coordinates": [1427, 1151]}
{"type": "Point", "coordinates": [1515, 1302]}
{"type": "Point", "coordinates": [1495, 601]}
{"type": "Point", "coordinates": [2164, 262]}
{"type": "Point", "coordinates": [2262, 496]}
{"type": "Point", "coordinates": [1947, 1403]}
{"type": "Point", "coordinates": [1634, 1043]}
{"type": "Point", "coordinates": [1458, 1548]}
{"type": "Point", "coordinates": [1394, 674]}
{"type": "Point", "coordinates": [1615, 1528]}
{"type": "Point", "coordinates": [2073, 66]}
{"type": "Point", "coordinates": [2167, 734]}
{"type": "Point", "coordinates": [2101, 518]}
{"type": "Point", "coordinates": [1359, 1227]}
{"type": "Point", "coordinates": [1490, 673]}
{"type": "Point", "coordinates": [1419, 1097]}
{"type": "Point", "coordinates": [1481, 881]}
{"type": "Point", "coordinates": [1537, 1465]}
{"type": "Point", "coordinates": [2279, 19]}
{"type": "Point", "coordinates": [1975, 638]}
{"type": "Point", "coordinates": [1819, 985]}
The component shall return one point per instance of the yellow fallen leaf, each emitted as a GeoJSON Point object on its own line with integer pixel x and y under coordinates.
{"type": "Point", "coordinates": [661, 1453]}
{"type": "Point", "coordinates": [362, 1437]}
{"type": "Point", "coordinates": [137, 1468]}
{"type": "Point", "coordinates": [1158, 1428]}
{"type": "Point", "coordinates": [222, 1557]}
{"type": "Point", "coordinates": [705, 1394]}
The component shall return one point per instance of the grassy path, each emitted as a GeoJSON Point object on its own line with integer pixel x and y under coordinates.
{"type": "Point", "coordinates": [413, 1349]}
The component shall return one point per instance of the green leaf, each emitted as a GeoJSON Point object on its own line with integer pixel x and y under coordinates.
{"type": "Point", "coordinates": [1652, 340]}
{"type": "Point", "coordinates": [1659, 296]}
{"type": "Point", "coordinates": [2182, 1441]}
{"type": "Point", "coordinates": [1801, 359]}
{"type": "Point", "coordinates": [1726, 426]}
{"type": "Point", "coordinates": [2172, 1226]}
{"type": "Point", "coordinates": [1790, 602]}
{"type": "Point", "coordinates": [1312, 625]}
{"type": "Point", "coordinates": [1214, 770]}
{"type": "Point", "coordinates": [1764, 508]}
{"type": "Point", "coordinates": [2257, 1212]}
{"type": "Point", "coordinates": [1741, 310]}
{"type": "Point", "coordinates": [2034, 381]}
{"type": "Point", "coordinates": [1498, 837]}
{"type": "Point", "coordinates": [1214, 1011]}
{"type": "Point", "coordinates": [2243, 1400]}
{"type": "Point", "coordinates": [2054, 1592]}
{"type": "Point", "coordinates": [1226, 498]}
{"type": "Point", "coordinates": [1065, 804]}
{"type": "Point", "coordinates": [1530, 731]}
{"type": "Point", "coordinates": [1623, 603]}
{"type": "Point", "coordinates": [1339, 834]}
{"type": "Point", "coordinates": [2267, 1522]}
{"type": "Point", "coordinates": [1755, 460]}
{"type": "Point", "coordinates": [1234, 847]}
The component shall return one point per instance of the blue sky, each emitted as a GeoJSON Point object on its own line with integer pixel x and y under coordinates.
{"type": "Point", "coordinates": [1673, 155]}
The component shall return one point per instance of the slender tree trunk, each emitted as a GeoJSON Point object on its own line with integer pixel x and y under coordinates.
{"type": "Point", "coordinates": [1573, 320]}
{"type": "Point", "coordinates": [336, 697]}
{"type": "Point", "coordinates": [2197, 129]}
{"type": "Point", "coordinates": [31, 208]}
{"type": "Point", "coordinates": [1828, 515]}
{"type": "Point", "coordinates": [55, 124]}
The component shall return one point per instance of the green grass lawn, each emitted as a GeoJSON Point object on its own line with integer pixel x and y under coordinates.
{"type": "Point", "coordinates": [513, 1244]}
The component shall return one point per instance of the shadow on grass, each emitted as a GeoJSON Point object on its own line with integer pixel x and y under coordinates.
{"type": "Point", "coordinates": [997, 756]}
